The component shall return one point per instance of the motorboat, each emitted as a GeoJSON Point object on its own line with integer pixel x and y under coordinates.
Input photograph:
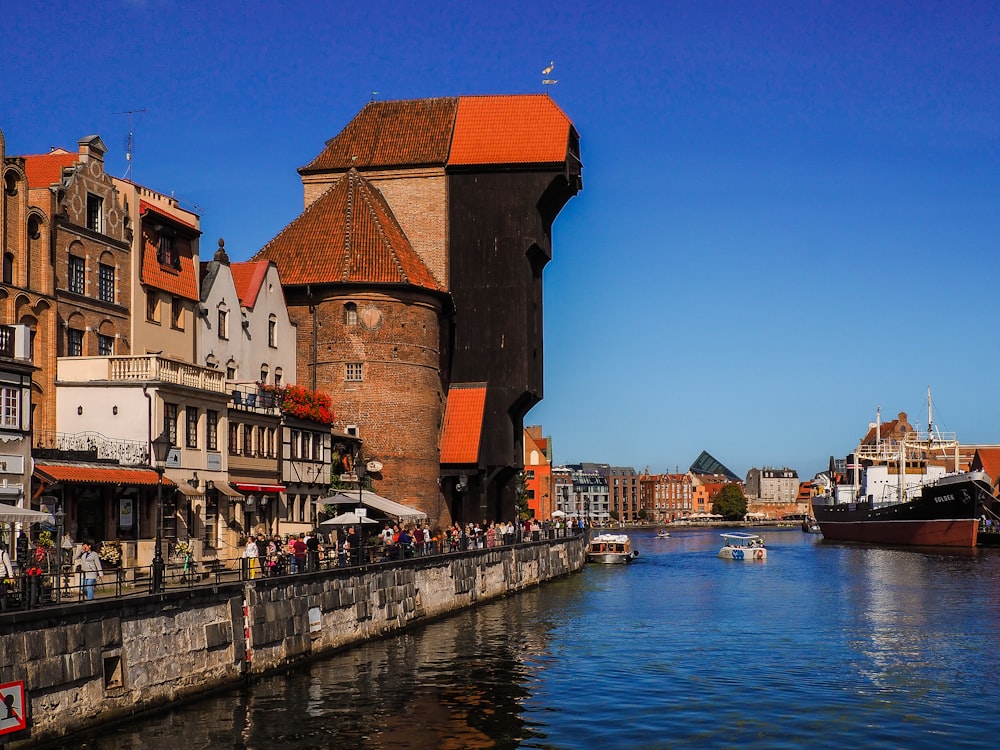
{"type": "Point", "coordinates": [611, 549]}
{"type": "Point", "coordinates": [743, 546]}
{"type": "Point", "coordinates": [662, 534]}
{"type": "Point", "coordinates": [810, 525]}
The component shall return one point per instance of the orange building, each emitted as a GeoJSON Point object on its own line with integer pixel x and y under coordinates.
{"type": "Point", "coordinates": [538, 472]}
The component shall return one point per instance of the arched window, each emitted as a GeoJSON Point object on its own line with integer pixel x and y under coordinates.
{"type": "Point", "coordinates": [351, 314]}
{"type": "Point", "coordinates": [263, 373]}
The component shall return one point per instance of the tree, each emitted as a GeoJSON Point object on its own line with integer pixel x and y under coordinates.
{"type": "Point", "coordinates": [730, 503]}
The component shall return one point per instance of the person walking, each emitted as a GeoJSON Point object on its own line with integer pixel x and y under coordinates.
{"type": "Point", "coordinates": [252, 554]}
{"type": "Point", "coordinates": [88, 563]}
{"type": "Point", "coordinates": [299, 550]}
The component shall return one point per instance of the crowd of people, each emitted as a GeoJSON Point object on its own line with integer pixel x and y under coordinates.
{"type": "Point", "coordinates": [272, 555]}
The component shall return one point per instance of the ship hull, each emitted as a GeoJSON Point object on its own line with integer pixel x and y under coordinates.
{"type": "Point", "coordinates": [945, 514]}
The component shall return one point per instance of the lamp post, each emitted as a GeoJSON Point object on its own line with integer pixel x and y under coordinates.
{"type": "Point", "coordinates": [160, 449]}
{"type": "Point", "coordinates": [360, 471]}
{"type": "Point", "coordinates": [60, 517]}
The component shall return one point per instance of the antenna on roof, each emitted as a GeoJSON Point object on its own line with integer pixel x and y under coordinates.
{"type": "Point", "coordinates": [374, 94]}
{"type": "Point", "coordinates": [130, 143]}
{"type": "Point", "coordinates": [546, 81]}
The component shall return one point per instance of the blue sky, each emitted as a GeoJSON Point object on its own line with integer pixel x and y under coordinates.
{"type": "Point", "coordinates": [790, 209]}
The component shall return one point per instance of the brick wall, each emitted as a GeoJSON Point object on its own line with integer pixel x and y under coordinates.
{"type": "Point", "coordinates": [398, 406]}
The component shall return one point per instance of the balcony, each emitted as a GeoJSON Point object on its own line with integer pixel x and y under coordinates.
{"type": "Point", "coordinates": [15, 342]}
{"type": "Point", "coordinates": [144, 368]}
{"type": "Point", "coordinates": [89, 446]}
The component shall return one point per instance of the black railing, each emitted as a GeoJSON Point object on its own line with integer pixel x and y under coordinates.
{"type": "Point", "coordinates": [31, 590]}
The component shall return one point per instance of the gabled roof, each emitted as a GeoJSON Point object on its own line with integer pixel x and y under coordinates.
{"type": "Point", "coordinates": [43, 170]}
{"type": "Point", "coordinates": [248, 278]}
{"type": "Point", "coordinates": [348, 235]}
{"type": "Point", "coordinates": [463, 423]}
{"type": "Point", "coordinates": [517, 129]}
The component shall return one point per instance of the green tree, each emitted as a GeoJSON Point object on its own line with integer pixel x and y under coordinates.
{"type": "Point", "coordinates": [521, 496]}
{"type": "Point", "coordinates": [730, 503]}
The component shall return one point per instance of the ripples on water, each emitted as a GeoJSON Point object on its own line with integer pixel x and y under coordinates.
{"type": "Point", "coordinates": [820, 645]}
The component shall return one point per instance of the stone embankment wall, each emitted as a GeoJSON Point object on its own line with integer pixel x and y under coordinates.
{"type": "Point", "coordinates": [87, 664]}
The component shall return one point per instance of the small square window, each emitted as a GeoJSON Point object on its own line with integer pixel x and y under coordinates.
{"type": "Point", "coordinates": [354, 372]}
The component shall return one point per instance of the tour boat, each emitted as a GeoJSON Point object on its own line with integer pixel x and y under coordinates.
{"type": "Point", "coordinates": [611, 549]}
{"type": "Point", "coordinates": [740, 546]}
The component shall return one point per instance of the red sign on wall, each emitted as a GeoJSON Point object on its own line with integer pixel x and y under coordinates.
{"type": "Point", "coordinates": [13, 717]}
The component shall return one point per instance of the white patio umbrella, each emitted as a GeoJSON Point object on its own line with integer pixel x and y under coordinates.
{"type": "Point", "coordinates": [558, 514]}
{"type": "Point", "coordinates": [13, 514]}
{"type": "Point", "coordinates": [347, 519]}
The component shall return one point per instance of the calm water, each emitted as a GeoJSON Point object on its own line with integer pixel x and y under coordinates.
{"type": "Point", "coordinates": [821, 645]}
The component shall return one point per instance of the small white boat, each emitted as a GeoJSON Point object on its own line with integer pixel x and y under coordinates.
{"type": "Point", "coordinates": [741, 546]}
{"type": "Point", "coordinates": [662, 534]}
{"type": "Point", "coordinates": [611, 549]}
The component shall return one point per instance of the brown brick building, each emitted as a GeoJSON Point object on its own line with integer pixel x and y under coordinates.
{"type": "Point", "coordinates": [416, 265]}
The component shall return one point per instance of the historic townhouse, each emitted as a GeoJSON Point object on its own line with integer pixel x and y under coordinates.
{"type": "Point", "coordinates": [538, 472]}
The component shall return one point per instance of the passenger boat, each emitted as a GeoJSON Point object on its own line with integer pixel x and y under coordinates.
{"type": "Point", "coordinates": [903, 488]}
{"type": "Point", "coordinates": [611, 549]}
{"type": "Point", "coordinates": [662, 534]}
{"type": "Point", "coordinates": [810, 526]}
{"type": "Point", "coordinates": [742, 546]}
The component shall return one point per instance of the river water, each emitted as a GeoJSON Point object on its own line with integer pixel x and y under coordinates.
{"type": "Point", "coordinates": [822, 644]}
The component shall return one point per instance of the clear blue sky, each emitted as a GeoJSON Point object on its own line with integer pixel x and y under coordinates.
{"type": "Point", "coordinates": [790, 209]}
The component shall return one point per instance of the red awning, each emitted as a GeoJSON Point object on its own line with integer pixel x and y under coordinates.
{"type": "Point", "coordinates": [261, 488]}
{"type": "Point", "coordinates": [77, 474]}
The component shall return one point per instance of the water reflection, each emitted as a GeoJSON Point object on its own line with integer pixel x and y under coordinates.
{"type": "Point", "coordinates": [857, 646]}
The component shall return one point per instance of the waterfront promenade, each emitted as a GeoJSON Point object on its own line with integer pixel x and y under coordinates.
{"type": "Point", "coordinates": [86, 663]}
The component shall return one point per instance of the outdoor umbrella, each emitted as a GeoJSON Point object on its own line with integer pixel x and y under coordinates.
{"type": "Point", "coordinates": [558, 513]}
{"type": "Point", "coordinates": [13, 514]}
{"type": "Point", "coordinates": [347, 519]}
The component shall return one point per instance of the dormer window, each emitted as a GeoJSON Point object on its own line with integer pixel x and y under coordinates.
{"type": "Point", "coordinates": [167, 253]}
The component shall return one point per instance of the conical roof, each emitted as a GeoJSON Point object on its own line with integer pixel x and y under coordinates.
{"type": "Point", "coordinates": [348, 235]}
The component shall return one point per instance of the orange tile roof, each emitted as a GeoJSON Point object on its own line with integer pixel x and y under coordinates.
{"type": "Point", "coordinates": [462, 131]}
{"type": "Point", "coordinates": [523, 129]}
{"type": "Point", "coordinates": [391, 133]}
{"type": "Point", "coordinates": [248, 278]}
{"type": "Point", "coordinates": [43, 170]}
{"type": "Point", "coordinates": [90, 474]}
{"type": "Point", "coordinates": [463, 423]}
{"type": "Point", "coordinates": [181, 282]}
{"type": "Point", "coordinates": [348, 235]}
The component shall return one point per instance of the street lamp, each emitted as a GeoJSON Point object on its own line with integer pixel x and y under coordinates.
{"type": "Point", "coordinates": [161, 449]}
{"type": "Point", "coordinates": [360, 471]}
{"type": "Point", "coordinates": [60, 516]}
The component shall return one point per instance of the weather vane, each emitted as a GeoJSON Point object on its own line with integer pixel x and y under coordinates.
{"type": "Point", "coordinates": [546, 81]}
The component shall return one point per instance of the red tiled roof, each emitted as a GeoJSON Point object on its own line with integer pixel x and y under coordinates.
{"type": "Point", "coordinates": [463, 131]}
{"type": "Point", "coordinates": [82, 474]}
{"type": "Point", "coordinates": [248, 278]}
{"type": "Point", "coordinates": [523, 129]}
{"type": "Point", "coordinates": [43, 170]}
{"type": "Point", "coordinates": [463, 423]}
{"type": "Point", "coordinates": [349, 234]}
{"type": "Point", "coordinates": [181, 282]}
{"type": "Point", "coordinates": [385, 134]}
{"type": "Point", "coordinates": [144, 207]}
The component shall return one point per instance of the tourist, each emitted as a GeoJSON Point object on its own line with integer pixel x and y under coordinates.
{"type": "Point", "coordinates": [299, 551]}
{"type": "Point", "coordinates": [353, 546]}
{"type": "Point", "coordinates": [418, 540]}
{"type": "Point", "coordinates": [261, 553]}
{"type": "Point", "coordinates": [312, 552]}
{"type": "Point", "coordinates": [89, 566]}
{"type": "Point", "coordinates": [252, 556]}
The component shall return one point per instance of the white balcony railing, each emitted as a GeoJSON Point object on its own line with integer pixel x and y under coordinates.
{"type": "Point", "coordinates": [147, 367]}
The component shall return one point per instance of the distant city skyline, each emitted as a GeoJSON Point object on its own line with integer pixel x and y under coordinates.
{"type": "Point", "coordinates": [788, 215]}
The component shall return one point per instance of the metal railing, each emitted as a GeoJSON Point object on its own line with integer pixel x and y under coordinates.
{"type": "Point", "coordinates": [31, 588]}
{"type": "Point", "coordinates": [92, 444]}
